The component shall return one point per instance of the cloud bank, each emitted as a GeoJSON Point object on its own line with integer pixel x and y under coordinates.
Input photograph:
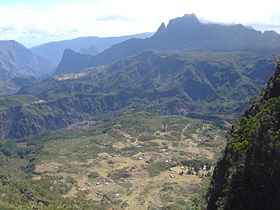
{"type": "Point", "coordinates": [33, 23]}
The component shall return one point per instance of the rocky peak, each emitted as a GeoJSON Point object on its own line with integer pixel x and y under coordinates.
{"type": "Point", "coordinates": [73, 62]}
{"type": "Point", "coordinates": [161, 28]}
{"type": "Point", "coordinates": [186, 20]}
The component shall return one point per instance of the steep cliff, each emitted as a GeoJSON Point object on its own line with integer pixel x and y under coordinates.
{"type": "Point", "coordinates": [247, 177]}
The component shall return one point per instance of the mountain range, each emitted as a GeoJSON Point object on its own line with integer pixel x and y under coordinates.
{"type": "Point", "coordinates": [91, 45]}
{"type": "Point", "coordinates": [248, 169]}
{"type": "Point", "coordinates": [142, 123]}
{"type": "Point", "coordinates": [165, 82]}
{"type": "Point", "coordinates": [16, 60]}
{"type": "Point", "coordinates": [186, 33]}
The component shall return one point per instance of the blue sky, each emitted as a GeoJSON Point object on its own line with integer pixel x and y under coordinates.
{"type": "Point", "coordinates": [33, 22]}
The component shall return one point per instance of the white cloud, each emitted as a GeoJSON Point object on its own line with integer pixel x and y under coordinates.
{"type": "Point", "coordinates": [120, 17]}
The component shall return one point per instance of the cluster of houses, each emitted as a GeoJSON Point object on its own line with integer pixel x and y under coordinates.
{"type": "Point", "coordinates": [102, 181]}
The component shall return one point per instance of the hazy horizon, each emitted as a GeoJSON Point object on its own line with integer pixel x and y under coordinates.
{"type": "Point", "coordinates": [34, 22]}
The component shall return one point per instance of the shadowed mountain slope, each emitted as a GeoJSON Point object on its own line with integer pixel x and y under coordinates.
{"type": "Point", "coordinates": [53, 51]}
{"type": "Point", "coordinates": [17, 60]}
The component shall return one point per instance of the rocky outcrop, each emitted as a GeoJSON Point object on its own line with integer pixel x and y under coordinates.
{"type": "Point", "coordinates": [73, 62]}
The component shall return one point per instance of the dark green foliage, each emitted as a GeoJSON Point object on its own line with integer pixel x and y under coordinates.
{"type": "Point", "coordinates": [197, 164]}
{"type": "Point", "coordinates": [146, 138]}
{"type": "Point", "coordinates": [118, 174]}
{"type": "Point", "coordinates": [156, 168]}
{"type": "Point", "coordinates": [93, 175]}
{"type": "Point", "coordinates": [247, 177]}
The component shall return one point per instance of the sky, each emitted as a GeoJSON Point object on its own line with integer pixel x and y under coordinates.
{"type": "Point", "coordinates": [33, 22]}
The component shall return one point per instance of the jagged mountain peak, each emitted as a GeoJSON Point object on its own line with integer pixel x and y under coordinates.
{"type": "Point", "coordinates": [161, 28]}
{"type": "Point", "coordinates": [189, 34]}
{"type": "Point", "coordinates": [73, 61]}
{"type": "Point", "coordinates": [186, 19]}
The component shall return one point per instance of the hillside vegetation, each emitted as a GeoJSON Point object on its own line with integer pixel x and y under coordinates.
{"type": "Point", "coordinates": [19, 191]}
{"type": "Point", "coordinates": [137, 128]}
{"type": "Point", "coordinates": [211, 85]}
{"type": "Point", "coordinates": [137, 161]}
{"type": "Point", "coordinates": [247, 177]}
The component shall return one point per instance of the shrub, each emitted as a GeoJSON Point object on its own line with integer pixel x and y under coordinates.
{"type": "Point", "coordinates": [93, 175]}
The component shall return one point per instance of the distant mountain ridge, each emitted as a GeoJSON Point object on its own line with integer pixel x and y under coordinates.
{"type": "Point", "coordinates": [73, 61]}
{"type": "Point", "coordinates": [16, 60]}
{"type": "Point", "coordinates": [91, 45]}
{"type": "Point", "coordinates": [189, 34]}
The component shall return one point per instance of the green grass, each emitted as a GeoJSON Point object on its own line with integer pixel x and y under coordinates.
{"type": "Point", "coordinates": [156, 168]}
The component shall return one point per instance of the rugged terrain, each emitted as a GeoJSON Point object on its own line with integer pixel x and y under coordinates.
{"type": "Point", "coordinates": [91, 45]}
{"type": "Point", "coordinates": [188, 34]}
{"type": "Point", "coordinates": [144, 132]}
{"type": "Point", "coordinates": [207, 85]}
{"type": "Point", "coordinates": [247, 175]}
{"type": "Point", "coordinates": [18, 191]}
{"type": "Point", "coordinates": [16, 60]}
{"type": "Point", "coordinates": [138, 161]}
